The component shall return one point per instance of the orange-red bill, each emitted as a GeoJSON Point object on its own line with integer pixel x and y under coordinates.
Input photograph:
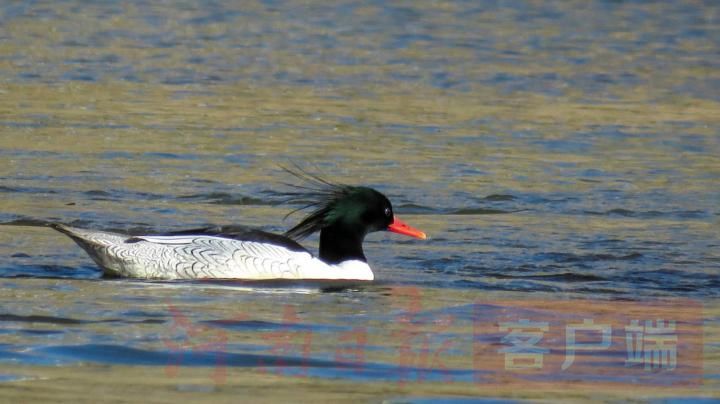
{"type": "Point", "coordinates": [400, 227]}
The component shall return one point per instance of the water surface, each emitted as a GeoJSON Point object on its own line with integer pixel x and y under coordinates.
{"type": "Point", "coordinates": [552, 151]}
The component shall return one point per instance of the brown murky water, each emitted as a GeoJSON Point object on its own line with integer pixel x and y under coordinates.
{"type": "Point", "coordinates": [553, 151]}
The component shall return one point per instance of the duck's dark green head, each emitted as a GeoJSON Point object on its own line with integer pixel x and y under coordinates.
{"type": "Point", "coordinates": [350, 209]}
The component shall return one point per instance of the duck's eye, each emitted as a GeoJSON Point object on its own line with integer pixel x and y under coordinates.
{"type": "Point", "coordinates": [388, 212]}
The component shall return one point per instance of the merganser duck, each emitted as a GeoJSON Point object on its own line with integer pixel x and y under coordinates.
{"type": "Point", "coordinates": [343, 215]}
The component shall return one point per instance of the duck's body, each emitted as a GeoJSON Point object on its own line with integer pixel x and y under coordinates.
{"type": "Point", "coordinates": [344, 215]}
{"type": "Point", "coordinates": [210, 253]}
{"type": "Point", "coordinates": [204, 255]}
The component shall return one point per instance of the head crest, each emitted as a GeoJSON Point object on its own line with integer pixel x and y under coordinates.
{"type": "Point", "coordinates": [317, 194]}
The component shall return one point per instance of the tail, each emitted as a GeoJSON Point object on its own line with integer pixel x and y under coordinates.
{"type": "Point", "coordinates": [95, 243]}
{"type": "Point", "coordinates": [72, 232]}
{"type": "Point", "coordinates": [28, 222]}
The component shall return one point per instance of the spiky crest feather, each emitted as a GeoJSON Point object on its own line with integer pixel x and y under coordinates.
{"type": "Point", "coordinates": [315, 193]}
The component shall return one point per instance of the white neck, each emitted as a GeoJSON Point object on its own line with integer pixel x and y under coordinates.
{"type": "Point", "coordinates": [349, 269]}
{"type": "Point", "coordinates": [353, 269]}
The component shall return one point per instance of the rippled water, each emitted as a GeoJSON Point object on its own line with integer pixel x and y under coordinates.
{"type": "Point", "coordinates": [551, 150]}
